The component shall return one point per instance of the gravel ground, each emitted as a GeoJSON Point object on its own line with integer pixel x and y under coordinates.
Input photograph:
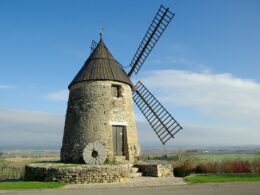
{"type": "Point", "coordinates": [135, 182]}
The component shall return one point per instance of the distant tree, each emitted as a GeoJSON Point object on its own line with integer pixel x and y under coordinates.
{"type": "Point", "coordinates": [1, 154]}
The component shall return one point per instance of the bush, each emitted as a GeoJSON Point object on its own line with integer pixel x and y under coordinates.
{"type": "Point", "coordinates": [255, 166]}
{"type": "Point", "coordinates": [180, 172]}
{"type": "Point", "coordinates": [201, 169]}
{"type": "Point", "coordinates": [193, 164]}
{"type": "Point", "coordinates": [234, 166]}
{"type": "Point", "coordinates": [188, 165]}
{"type": "Point", "coordinates": [224, 166]}
{"type": "Point", "coordinates": [211, 167]}
{"type": "Point", "coordinates": [241, 167]}
{"type": "Point", "coordinates": [146, 157]}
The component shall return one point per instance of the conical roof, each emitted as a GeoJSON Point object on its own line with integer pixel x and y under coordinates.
{"type": "Point", "coordinates": [101, 65]}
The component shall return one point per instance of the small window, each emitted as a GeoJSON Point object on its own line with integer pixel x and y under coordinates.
{"type": "Point", "coordinates": [116, 91]}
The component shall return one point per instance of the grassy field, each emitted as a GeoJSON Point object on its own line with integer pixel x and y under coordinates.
{"type": "Point", "coordinates": [3, 162]}
{"type": "Point", "coordinates": [222, 178]}
{"type": "Point", "coordinates": [29, 185]}
{"type": "Point", "coordinates": [19, 162]}
{"type": "Point", "coordinates": [200, 156]}
{"type": "Point", "coordinates": [13, 168]}
{"type": "Point", "coordinates": [218, 157]}
{"type": "Point", "coordinates": [12, 162]}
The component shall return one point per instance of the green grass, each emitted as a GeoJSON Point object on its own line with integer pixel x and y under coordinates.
{"type": "Point", "coordinates": [222, 178]}
{"type": "Point", "coordinates": [29, 185]}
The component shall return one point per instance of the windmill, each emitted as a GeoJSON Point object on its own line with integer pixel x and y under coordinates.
{"type": "Point", "coordinates": [100, 122]}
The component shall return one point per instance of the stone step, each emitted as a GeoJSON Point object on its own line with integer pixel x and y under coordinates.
{"type": "Point", "coordinates": [120, 159]}
{"type": "Point", "coordinates": [134, 175]}
{"type": "Point", "coordinates": [134, 170]}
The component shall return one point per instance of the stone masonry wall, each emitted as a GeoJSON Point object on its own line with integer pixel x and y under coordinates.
{"type": "Point", "coordinates": [76, 173]}
{"type": "Point", "coordinates": [155, 170]}
{"type": "Point", "coordinates": [91, 112]}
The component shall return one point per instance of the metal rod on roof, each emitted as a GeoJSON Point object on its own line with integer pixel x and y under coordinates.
{"type": "Point", "coordinates": [101, 32]}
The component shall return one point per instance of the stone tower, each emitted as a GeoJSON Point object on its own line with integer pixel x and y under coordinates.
{"type": "Point", "coordinates": [100, 108]}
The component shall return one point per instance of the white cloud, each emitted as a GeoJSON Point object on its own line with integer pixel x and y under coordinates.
{"type": "Point", "coordinates": [217, 94]}
{"type": "Point", "coordinates": [183, 62]}
{"type": "Point", "coordinates": [61, 95]}
{"type": "Point", "coordinates": [3, 86]}
{"type": "Point", "coordinates": [200, 135]}
{"type": "Point", "coordinates": [14, 115]}
{"type": "Point", "coordinates": [30, 128]}
{"type": "Point", "coordinates": [20, 127]}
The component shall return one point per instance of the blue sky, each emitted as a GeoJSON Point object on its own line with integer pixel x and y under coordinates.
{"type": "Point", "coordinates": [210, 53]}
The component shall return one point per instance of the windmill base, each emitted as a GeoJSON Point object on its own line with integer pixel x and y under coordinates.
{"type": "Point", "coordinates": [76, 173]}
{"type": "Point", "coordinates": [82, 173]}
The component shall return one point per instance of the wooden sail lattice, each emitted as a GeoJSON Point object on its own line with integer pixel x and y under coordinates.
{"type": "Point", "coordinates": [93, 46]}
{"type": "Point", "coordinates": [153, 34]}
{"type": "Point", "coordinates": [162, 122]}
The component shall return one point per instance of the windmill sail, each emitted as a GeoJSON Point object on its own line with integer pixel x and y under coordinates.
{"type": "Point", "coordinates": [162, 122]}
{"type": "Point", "coordinates": [93, 46]}
{"type": "Point", "coordinates": [154, 32]}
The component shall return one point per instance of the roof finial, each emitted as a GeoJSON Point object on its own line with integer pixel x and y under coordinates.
{"type": "Point", "coordinates": [101, 32]}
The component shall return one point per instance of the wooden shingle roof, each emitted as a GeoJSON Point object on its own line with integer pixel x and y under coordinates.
{"type": "Point", "coordinates": [101, 65]}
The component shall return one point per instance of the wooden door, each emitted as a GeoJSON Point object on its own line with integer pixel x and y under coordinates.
{"type": "Point", "coordinates": [118, 140]}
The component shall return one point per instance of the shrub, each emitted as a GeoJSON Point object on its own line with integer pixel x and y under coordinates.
{"type": "Point", "coordinates": [201, 169]}
{"type": "Point", "coordinates": [255, 166]}
{"type": "Point", "coordinates": [188, 165]}
{"type": "Point", "coordinates": [211, 167]}
{"type": "Point", "coordinates": [240, 166]}
{"type": "Point", "coordinates": [225, 166]}
{"type": "Point", "coordinates": [1, 154]}
{"type": "Point", "coordinates": [234, 166]}
{"type": "Point", "coordinates": [179, 172]}
{"type": "Point", "coordinates": [146, 157]}
{"type": "Point", "coordinates": [193, 164]}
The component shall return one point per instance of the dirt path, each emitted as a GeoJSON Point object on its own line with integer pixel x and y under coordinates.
{"type": "Point", "coordinates": [136, 182]}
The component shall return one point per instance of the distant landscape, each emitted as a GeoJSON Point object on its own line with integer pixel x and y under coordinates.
{"type": "Point", "coordinates": [148, 148]}
{"type": "Point", "coordinates": [201, 159]}
{"type": "Point", "coordinates": [214, 153]}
